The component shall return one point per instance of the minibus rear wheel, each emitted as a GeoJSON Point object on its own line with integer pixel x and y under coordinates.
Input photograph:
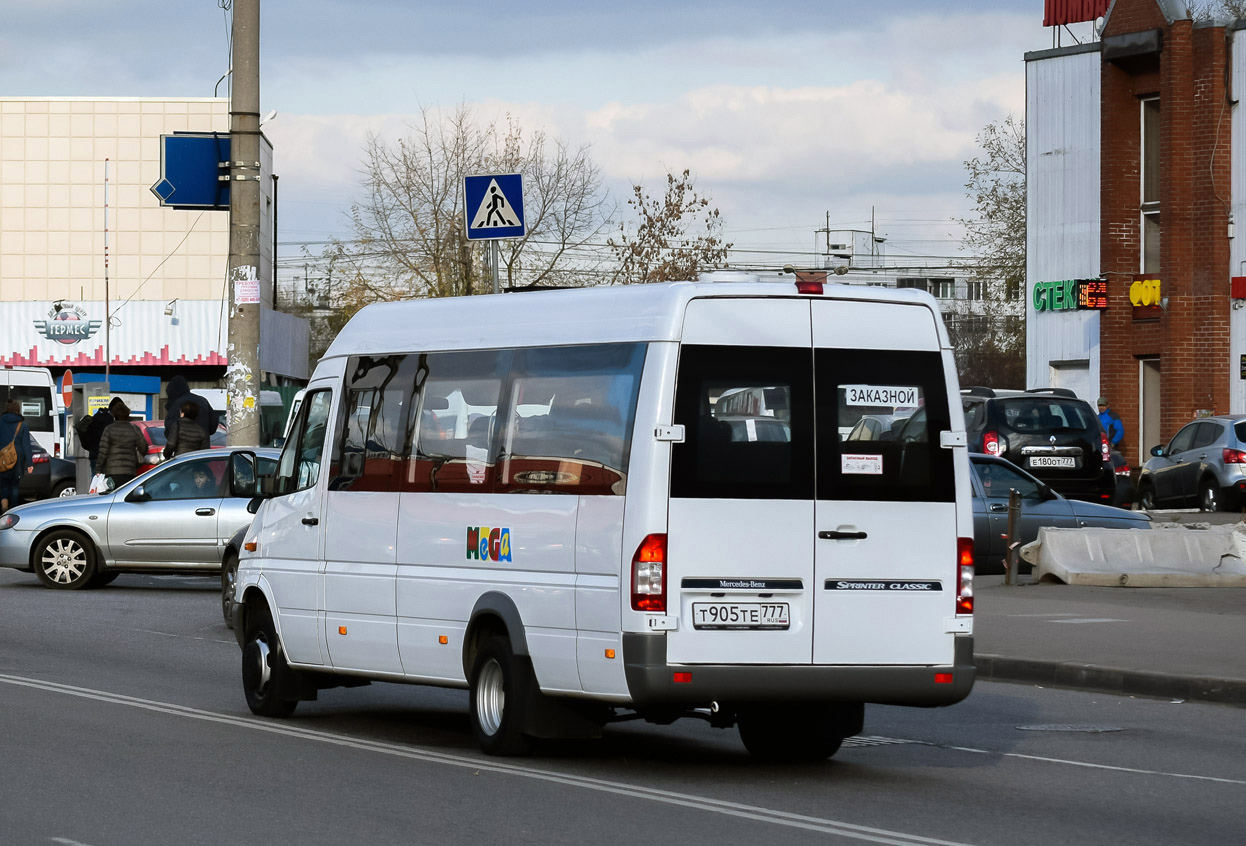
{"type": "Point", "coordinates": [266, 677]}
{"type": "Point", "coordinates": [501, 693]}
{"type": "Point", "coordinates": [790, 734]}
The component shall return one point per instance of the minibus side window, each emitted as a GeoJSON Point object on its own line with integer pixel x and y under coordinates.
{"type": "Point", "coordinates": [904, 391]}
{"type": "Point", "coordinates": [299, 465]}
{"type": "Point", "coordinates": [369, 453]}
{"type": "Point", "coordinates": [747, 414]}
{"type": "Point", "coordinates": [452, 421]}
{"type": "Point", "coordinates": [569, 421]}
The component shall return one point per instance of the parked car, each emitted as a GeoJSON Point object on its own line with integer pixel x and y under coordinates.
{"type": "Point", "coordinates": [52, 477]}
{"type": "Point", "coordinates": [153, 433]}
{"type": "Point", "coordinates": [1204, 464]}
{"type": "Point", "coordinates": [175, 519]}
{"type": "Point", "coordinates": [993, 478]}
{"type": "Point", "coordinates": [1046, 431]}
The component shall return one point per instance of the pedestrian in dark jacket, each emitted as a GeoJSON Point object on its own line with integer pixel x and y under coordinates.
{"type": "Point", "coordinates": [186, 435]}
{"type": "Point", "coordinates": [21, 438]}
{"type": "Point", "coordinates": [91, 429]}
{"type": "Point", "coordinates": [122, 448]}
{"type": "Point", "coordinates": [178, 395]}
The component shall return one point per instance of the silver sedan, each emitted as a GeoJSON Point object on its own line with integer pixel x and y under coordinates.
{"type": "Point", "coordinates": [176, 518]}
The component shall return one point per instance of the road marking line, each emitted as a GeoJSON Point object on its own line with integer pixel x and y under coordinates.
{"type": "Point", "coordinates": [1091, 620]}
{"type": "Point", "coordinates": [636, 791]}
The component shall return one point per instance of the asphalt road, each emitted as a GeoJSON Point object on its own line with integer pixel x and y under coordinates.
{"type": "Point", "coordinates": [125, 725]}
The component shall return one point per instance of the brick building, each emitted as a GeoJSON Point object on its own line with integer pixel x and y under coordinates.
{"type": "Point", "coordinates": [1133, 179]}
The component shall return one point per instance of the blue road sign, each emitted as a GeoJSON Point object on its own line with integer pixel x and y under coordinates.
{"type": "Point", "coordinates": [189, 166]}
{"type": "Point", "coordinates": [494, 206]}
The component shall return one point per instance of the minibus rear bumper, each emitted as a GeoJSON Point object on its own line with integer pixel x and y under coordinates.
{"type": "Point", "coordinates": [652, 682]}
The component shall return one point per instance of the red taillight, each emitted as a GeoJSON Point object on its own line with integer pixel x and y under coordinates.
{"type": "Point", "coordinates": [1234, 456]}
{"type": "Point", "coordinates": [649, 574]}
{"type": "Point", "coordinates": [964, 575]}
{"type": "Point", "coordinates": [1123, 470]}
{"type": "Point", "coordinates": [1105, 449]}
{"type": "Point", "coordinates": [990, 443]}
{"type": "Point", "coordinates": [40, 458]}
{"type": "Point", "coordinates": [943, 678]}
{"type": "Point", "coordinates": [808, 287]}
{"type": "Point", "coordinates": [56, 450]}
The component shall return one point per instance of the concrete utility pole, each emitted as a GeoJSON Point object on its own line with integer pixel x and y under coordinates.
{"type": "Point", "coordinates": [242, 377]}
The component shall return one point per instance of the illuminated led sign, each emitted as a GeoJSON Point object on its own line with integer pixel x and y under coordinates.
{"type": "Point", "coordinates": [1070, 294]}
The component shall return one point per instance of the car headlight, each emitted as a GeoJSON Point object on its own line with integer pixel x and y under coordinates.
{"type": "Point", "coordinates": [9, 520]}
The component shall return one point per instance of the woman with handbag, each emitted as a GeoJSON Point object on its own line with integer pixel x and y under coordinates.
{"type": "Point", "coordinates": [17, 446]}
{"type": "Point", "coordinates": [122, 447]}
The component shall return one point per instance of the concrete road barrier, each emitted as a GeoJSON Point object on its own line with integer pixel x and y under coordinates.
{"type": "Point", "coordinates": [1199, 555]}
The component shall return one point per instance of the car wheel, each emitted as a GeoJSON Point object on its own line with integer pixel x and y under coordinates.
{"type": "Point", "coordinates": [501, 688]}
{"type": "Point", "coordinates": [229, 575]}
{"type": "Point", "coordinates": [797, 734]}
{"type": "Point", "coordinates": [65, 560]}
{"type": "Point", "coordinates": [1209, 496]}
{"type": "Point", "coordinates": [65, 489]}
{"type": "Point", "coordinates": [1146, 498]}
{"type": "Point", "coordinates": [267, 679]}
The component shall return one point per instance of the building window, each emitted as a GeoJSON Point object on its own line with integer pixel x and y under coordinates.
{"type": "Point", "coordinates": [943, 289]}
{"type": "Point", "coordinates": [975, 289]}
{"type": "Point", "coordinates": [1149, 170]}
{"type": "Point", "coordinates": [919, 284]}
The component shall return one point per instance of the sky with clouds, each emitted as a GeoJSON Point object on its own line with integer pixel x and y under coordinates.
{"type": "Point", "coordinates": [785, 111]}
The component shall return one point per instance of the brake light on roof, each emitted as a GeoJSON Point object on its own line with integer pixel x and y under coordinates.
{"type": "Point", "coordinates": [964, 575]}
{"type": "Point", "coordinates": [1105, 449]}
{"type": "Point", "coordinates": [1234, 456]}
{"type": "Point", "coordinates": [649, 574]}
{"type": "Point", "coordinates": [808, 286]}
{"type": "Point", "coordinates": [991, 444]}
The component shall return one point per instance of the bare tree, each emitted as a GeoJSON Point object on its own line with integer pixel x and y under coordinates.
{"type": "Point", "coordinates": [410, 235]}
{"type": "Point", "coordinates": [1210, 9]}
{"type": "Point", "coordinates": [676, 236]}
{"type": "Point", "coordinates": [991, 347]}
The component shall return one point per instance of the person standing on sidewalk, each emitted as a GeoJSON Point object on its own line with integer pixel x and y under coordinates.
{"type": "Point", "coordinates": [1111, 422]}
{"type": "Point", "coordinates": [14, 431]}
{"type": "Point", "coordinates": [91, 429]}
{"type": "Point", "coordinates": [122, 447]}
{"type": "Point", "coordinates": [187, 435]}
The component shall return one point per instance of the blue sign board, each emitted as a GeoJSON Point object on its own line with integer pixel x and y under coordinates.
{"type": "Point", "coordinates": [494, 206]}
{"type": "Point", "coordinates": [190, 164]}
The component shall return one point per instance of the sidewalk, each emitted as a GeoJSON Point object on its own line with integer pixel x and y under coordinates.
{"type": "Point", "coordinates": [1178, 643]}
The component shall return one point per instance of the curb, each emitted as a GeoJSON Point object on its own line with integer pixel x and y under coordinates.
{"type": "Point", "coordinates": [1078, 676]}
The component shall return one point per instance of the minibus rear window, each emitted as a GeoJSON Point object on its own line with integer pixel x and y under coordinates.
{"type": "Point", "coordinates": [747, 414]}
{"type": "Point", "coordinates": [35, 402]}
{"type": "Point", "coordinates": [906, 462]}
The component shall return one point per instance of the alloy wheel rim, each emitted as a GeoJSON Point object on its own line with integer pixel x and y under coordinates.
{"type": "Point", "coordinates": [64, 561]}
{"type": "Point", "coordinates": [490, 697]}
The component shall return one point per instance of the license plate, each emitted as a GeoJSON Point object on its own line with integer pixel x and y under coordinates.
{"type": "Point", "coordinates": [740, 615]}
{"type": "Point", "coordinates": [1052, 461]}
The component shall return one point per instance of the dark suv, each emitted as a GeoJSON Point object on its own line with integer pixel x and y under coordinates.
{"type": "Point", "coordinates": [1047, 431]}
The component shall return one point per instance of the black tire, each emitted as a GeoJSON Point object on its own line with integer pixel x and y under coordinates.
{"type": "Point", "coordinates": [267, 679]}
{"type": "Point", "coordinates": [1146, 498]}
{"type": "Point", "coordinates": [796, 734]}
{"type": "Point", "coordinates": [65, 488]}
{"type": "Point", "coordinates": [1209, 496]}
{"type": "Point", "coordinates": [65, 560]}
{"type": "Point", "coordinates": [501, 693]}
{"type": "Point", "coordinates": [229, 575]}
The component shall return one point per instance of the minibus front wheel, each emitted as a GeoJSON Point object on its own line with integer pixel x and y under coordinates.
{"type": "Point", "coordinates": [501, 693]}
{"type": "Point", "coordinates": [267, 679]}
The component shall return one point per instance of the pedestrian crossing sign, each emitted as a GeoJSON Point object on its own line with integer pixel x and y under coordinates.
{"type": "Point", "coordinates": [494, 206]}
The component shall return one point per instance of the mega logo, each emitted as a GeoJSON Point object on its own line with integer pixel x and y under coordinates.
{"type": "Point", "coordinates": [486, 544]}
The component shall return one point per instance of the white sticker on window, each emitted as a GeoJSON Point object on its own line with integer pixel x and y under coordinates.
{"type": "Point", "coordinates": [895, 397]}
{"type": "Point", "coordinates": [477, 464]}
{"type": "Point", "coordinates": [861, 465]}
{"type": "Point", "coordinates": [32, 409]}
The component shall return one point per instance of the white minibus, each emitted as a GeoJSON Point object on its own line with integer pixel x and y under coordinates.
{"type": "Point", "coordinates": [41, 406]}
{"type": "Point", "coordinates": [535, 497]}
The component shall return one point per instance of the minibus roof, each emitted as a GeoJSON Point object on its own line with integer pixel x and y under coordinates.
{"type": "Point", "coordinates": [602, 314]}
